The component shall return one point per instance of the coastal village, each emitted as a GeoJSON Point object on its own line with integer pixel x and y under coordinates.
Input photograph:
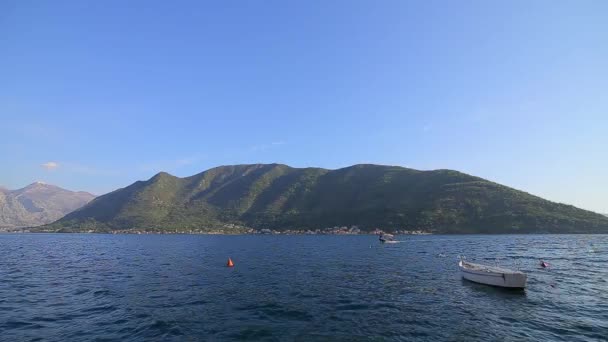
{"type": "Point", "coordinates": [239, 230]}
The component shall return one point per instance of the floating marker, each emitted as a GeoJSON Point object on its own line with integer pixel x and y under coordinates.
{"type": "Point", "coordinates": [230, 263]}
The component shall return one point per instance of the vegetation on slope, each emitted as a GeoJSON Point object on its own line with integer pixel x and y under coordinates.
{"type": "Point", "coordinates": [275, 196]}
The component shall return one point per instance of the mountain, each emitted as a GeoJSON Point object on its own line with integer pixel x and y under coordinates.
{"type": "Point", "coordinates": [37, 204]}
{"type": "Point", "coordinates": [231, 199]}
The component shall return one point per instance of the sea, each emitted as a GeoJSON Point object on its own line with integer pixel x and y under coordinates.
{"type": "Point", "coordinates": [95, 287]}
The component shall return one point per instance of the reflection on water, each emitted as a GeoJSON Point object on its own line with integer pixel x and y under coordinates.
{"type": "Point", "coordinates": [176, 287]}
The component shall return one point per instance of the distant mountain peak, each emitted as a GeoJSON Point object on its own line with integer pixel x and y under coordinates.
{"type": "Point", "coordinates": [161, 175]}
{"type": "Point", "coordinates": [38, 203]}
{"type": "Point", "coordinates": [38, 184]}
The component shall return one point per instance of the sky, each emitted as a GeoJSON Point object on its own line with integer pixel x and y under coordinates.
{"type": "Point", "coordinates": [95, 95]}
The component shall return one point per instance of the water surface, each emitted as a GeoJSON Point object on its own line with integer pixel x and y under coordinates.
{"type": "Point", "coordinates": [75, 287]}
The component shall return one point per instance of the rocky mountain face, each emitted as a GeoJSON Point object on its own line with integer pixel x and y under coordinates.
{"type": "Point", "coordinates": [232, 199]}
{"type": "Point", "coordinates": [38, 204]}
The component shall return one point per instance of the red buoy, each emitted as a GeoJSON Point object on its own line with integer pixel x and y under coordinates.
{"type": "Point", "coordinates": [230, 263]}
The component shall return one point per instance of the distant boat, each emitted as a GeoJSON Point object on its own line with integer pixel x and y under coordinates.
{"type": "Point", "coordinates": [494, 276]}
{"type": "Point", "coordinates": [387, 238]}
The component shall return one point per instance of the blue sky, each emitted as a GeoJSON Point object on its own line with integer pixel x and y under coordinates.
{"type": "Point", "coordinates": [97, 94]}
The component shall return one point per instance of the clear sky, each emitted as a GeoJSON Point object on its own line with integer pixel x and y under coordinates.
{"type": "Point", "coordinates": [97, 94]}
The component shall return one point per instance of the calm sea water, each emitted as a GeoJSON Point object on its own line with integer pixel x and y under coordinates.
{"type": "Point", "coordinates": [176, 287]}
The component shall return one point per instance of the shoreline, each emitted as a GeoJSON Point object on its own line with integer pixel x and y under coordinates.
{"type": "Point", "coordinates": [192, 232]}
{"type": "Point", "coordinates": [277, 233]}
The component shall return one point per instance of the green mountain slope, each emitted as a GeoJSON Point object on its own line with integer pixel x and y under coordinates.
{"type": "Point", "coordinates": [274, 196]}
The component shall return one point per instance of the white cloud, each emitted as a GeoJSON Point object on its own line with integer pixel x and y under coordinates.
{"type": "Point", "coordinates": [50, 165]}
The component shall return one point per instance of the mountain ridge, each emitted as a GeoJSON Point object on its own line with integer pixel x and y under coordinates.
{"type": "Point", "coordinates": [238, 198]}
{"type": "Point", "coordinates": [38, 203]}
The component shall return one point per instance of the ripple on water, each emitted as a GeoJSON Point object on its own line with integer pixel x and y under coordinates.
{"type": "Point", "coordinates": [252, 334]}
{"type": "Point", "coordinates": [352, 307]}
{"type": "Point", "coordinates": [100, 309]}
{"type": "Point", "coordinates": [11, 324]}
{"type": "Point", "coordinates": [165, 328]}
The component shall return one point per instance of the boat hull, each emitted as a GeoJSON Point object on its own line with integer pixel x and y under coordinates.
{"type": "Point", "coordinates": [514, 280]}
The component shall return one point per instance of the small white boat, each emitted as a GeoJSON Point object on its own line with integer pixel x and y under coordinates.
{"type": "Point", "coordinates": [387, 238]}
{"type": "Point", "coordinates": [495, 276]}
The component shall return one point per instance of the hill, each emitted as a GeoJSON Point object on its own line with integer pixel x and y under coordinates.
{"type": "Point", "coordinates": [37, 204]}
{"type": "Point", "coordinates": [231, 199]}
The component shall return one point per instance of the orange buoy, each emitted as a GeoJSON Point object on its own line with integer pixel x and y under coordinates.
{"type": "Point", "coordinates": [230, 263]}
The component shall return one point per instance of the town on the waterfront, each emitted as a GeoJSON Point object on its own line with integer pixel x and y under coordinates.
{"type": "Point", "coordinates": [232, 229]}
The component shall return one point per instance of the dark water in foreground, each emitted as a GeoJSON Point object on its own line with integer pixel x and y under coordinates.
{"type": "Point", "coordinates": [176, 287]}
